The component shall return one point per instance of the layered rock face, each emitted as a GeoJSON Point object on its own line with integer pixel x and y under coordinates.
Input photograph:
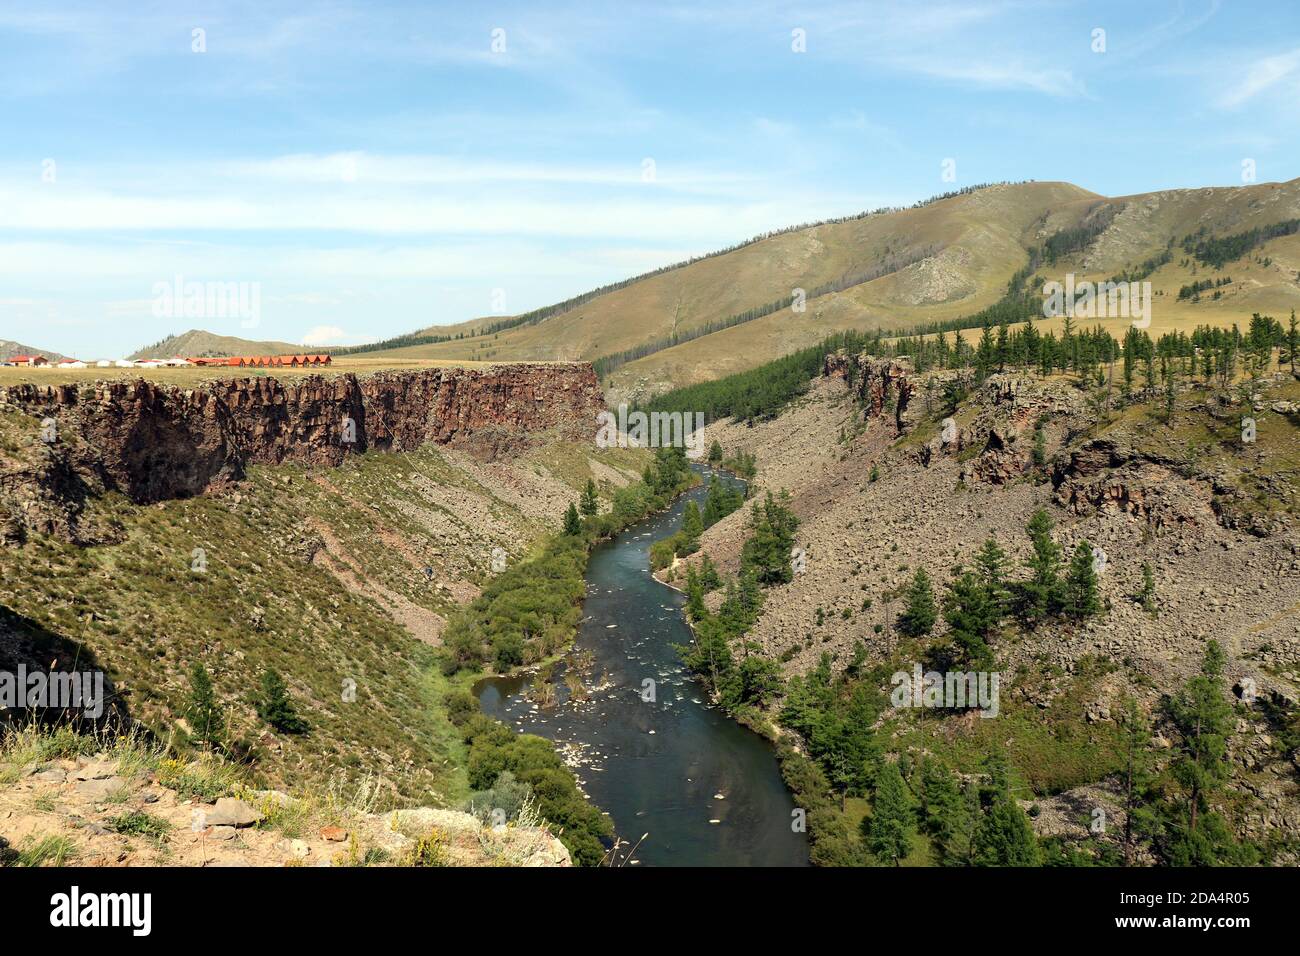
{"type": "Point", "coordinates": [877, 383]}
{"type": "Point", "coordinates": [154, 442]}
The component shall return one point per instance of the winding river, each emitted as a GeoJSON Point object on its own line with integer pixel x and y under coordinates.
{"type": "Point", "coordinates": [706, 791]}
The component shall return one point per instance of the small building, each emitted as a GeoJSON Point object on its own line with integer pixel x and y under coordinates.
{"type": "Point", "coordinates": [31, 361]}
{"type": "Point", "coordinates": [123, 363]}
{"type": "Point", "coordinates": [267, 361]}
{"type": "Point", "coordinates": [72, 363]}
{"type": "Point", "coordinates": [103, 363]}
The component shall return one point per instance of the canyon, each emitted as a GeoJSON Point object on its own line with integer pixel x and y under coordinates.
{"type": "Point", "coordinates": [156, 442]}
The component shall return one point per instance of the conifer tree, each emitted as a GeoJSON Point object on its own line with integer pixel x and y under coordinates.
{"type": "Point", "coordinates": [941, 801]}
{"type": "Point", "coordinates": [590, 503]}
{"type": "Point", "coordinates": [694, 594]}
{"type": "Point", "coordinates": [1042, 590]}
{"type": "Point", "coordinates": [572, 523]}
{"type": "Point", "coordinates": [1292, 339]}
{"type": "Point", "coordinates": [205, 713]}
{"type": "Point", "coordinates": [971, 618]}
{"type": "Point", "coordinates": [959, 848]}
{"type": "Point", "coordinates": [1136, 778]}
{"type": "Point", "coordinates": [1004, 836]}
{"type": "Point", "coordinates": [709, 579]}
{"type": "Point", "coordinates": [991, 561]}
{"type": "Point", "coordinates": [1040, 446]}
{"type": "Point", "coordinates": [276, 706]}
{"type": "Point", "coordinates": [918, 618]}
{"type": "Point", "coordinates": [1203, 718]}
{"type": "Point", "coordinates": [1081, 599]}
{"type": "Point", "coordinates": [692, 527]}
{"type": "Point", "coordinates": [1147, 597]}
{"type": "Point", "coordinates": [767, 550]}
{"type": "Point", "coordinates": [892, 823]}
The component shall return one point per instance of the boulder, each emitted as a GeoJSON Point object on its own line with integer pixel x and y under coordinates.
{"type": "Point", "coordinates": [231, 812]}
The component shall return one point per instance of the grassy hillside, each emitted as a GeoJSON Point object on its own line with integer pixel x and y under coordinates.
{"type": "Point", "coordinates": [896, 270]}
{"type": "Point", "coordinates": [335, 578]}
{"type": "Point", "coordinates": [197, 343]}
{"type": "Point", "coordinates": [8, 349]}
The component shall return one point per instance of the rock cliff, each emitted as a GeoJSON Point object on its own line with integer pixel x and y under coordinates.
{"type": "Point", "coordinates": [879, 384]}
{"type": "Point", "coordinates": [153, 442]}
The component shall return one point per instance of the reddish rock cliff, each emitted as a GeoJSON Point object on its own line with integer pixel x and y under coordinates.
{"type": "Point", "coordinates": [154, 442]}
{"type": "Point", "coordinates": [876, 383]}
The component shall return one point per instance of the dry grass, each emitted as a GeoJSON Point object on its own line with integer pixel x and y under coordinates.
{"type": "Point", "coordinates": [196, 375]}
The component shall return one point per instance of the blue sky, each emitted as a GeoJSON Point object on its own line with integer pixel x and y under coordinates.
{"type": "Point", "coordinates": [380, 167]}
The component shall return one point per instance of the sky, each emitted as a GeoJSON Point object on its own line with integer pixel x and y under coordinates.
{"type": "Point", "coordinates": [361, 170]}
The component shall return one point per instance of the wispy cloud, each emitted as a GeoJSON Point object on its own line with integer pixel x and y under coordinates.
{"type": "Point", "coordinates": [1261, 76]}
{"type": "Point", "coordinates": [997, 75]}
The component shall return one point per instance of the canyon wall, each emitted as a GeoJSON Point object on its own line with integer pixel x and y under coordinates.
{"type": "Point", "coordinates": [153, 442]}
{"type": "Point", "coordinates": [876, 383]}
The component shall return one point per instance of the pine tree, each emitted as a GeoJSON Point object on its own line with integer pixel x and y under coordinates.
{"type": "Point", "coordinates": [1136, 779]}
{"type": "Point", "coordinates": [1004, 836]}
{"type": "Point", "coordinates": [959, 848]}
{"type": "Point", "coordinates": [1203, 718]}
{"type": "Point", "coordinates": [694, 594]}
{"type": "Point", "coordinates": [715, 453]}
{"type": "Point", "coordinates": [572, 523]}
{"type": "Point", "coordinates": [892, 823]}
{"type": "Point", "coordinates": [1042, 590]}
{"type": "Point", "coordinates": [991, 561]}
{"type": "Point", "coordinates": [692, 527]}
{"type": "Point", "coordinates": [276, 706]}
{"type": "Point", "coordinates": [709, 579]}
{"type": "Point", "coordinates": [1292, 339]}
{"type": "Point", "coordinates": [1081, 599]}
{"type": "Point", "coordinates": [767, 550]}
{"type": "Point", "coordinates": [919, 617]}
{"type": "Point", "coordinates": [1147, 597]}
{"type": "Point", "coordinates": [205, 713]}
{"type": "Point", "coordinates": [971, 618]}
{"type": "Point", "coordinates": [941, 801]}
{"type": "Point", "coordinates": [590, 503]}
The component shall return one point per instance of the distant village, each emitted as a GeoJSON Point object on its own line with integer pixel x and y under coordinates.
{"type": "Point", "coordinates": [235, 361]}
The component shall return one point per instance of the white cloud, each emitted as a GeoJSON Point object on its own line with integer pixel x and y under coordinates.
{"type": "Point", "coordinates": [997, 76]}
{"type": "Point", "coordinates": [1261, 76]}
{"type": "Point", "coordinates": [331, 335]}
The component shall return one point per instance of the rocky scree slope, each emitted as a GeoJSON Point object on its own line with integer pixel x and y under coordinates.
{"type": "Point", "coordinates": [1217, 523]}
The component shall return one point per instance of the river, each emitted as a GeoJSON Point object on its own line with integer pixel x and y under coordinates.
{"type": "Point", "coordinates": [707, 791]}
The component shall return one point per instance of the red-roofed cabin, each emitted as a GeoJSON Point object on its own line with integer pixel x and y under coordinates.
{"type": "Point", "coordinates": [29, 360]}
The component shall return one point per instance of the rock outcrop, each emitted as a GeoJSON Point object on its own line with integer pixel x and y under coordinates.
{"type": "Point", "coordinates": [99, 806]}
{"type": "Point", "coordinates": [879, 384]}
{"type": "Point", "coordinates": [1108, 475]}
{"type": "Point", "coordinates": [154, 442]}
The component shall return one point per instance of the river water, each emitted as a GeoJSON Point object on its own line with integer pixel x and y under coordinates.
{"type": "Point", "coordinates": [707, 791]}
